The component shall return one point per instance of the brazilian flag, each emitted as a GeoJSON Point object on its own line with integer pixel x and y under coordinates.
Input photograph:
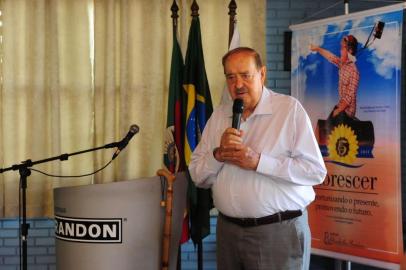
{"type": "Point", "coordinates": [175, 132]}
{"type": "Point", "coordinates": [198, 110]}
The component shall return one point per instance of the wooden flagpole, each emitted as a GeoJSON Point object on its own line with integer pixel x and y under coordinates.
{"type": "Point", "coordinates": [168, 204]}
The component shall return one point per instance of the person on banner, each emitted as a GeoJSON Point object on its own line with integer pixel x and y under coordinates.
{"type": "Point", "coordinates": [261, 174]}
{"type": "Point", "coordinates": [348, 79]}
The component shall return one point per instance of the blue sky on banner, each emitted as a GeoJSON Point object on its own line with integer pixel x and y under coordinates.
{"type": "Point", "coordinates": [379, 65]}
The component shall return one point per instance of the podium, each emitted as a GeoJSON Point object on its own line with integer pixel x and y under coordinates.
{"type": "Point", "coordinates": [116, 225]}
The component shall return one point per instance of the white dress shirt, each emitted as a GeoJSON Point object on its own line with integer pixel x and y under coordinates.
{"type": "Point", "coordinates": [290, 160]}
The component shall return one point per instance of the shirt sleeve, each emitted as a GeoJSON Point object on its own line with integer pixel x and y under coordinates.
{"type": "Point", "coordinates": [333, 59]}
{"type": "Point", "coordinates": [203, 167]}
{"type": "Point", "coordinates": [303, 163]}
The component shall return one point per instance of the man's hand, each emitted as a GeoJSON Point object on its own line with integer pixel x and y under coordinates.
{"type": "Point", "coordinates": [232, 150]}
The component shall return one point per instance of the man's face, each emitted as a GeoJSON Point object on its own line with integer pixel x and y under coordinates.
{"type": "Point", "coordinates": [243, 78]}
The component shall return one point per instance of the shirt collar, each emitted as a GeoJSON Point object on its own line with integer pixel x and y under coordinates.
{"type": "Point", "coordinates": [264, 105]}
{"type": "Point", "coordinates": [265, 102]}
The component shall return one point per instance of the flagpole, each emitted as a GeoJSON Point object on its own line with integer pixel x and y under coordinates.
{"type": "Point", "coordinates": [232, 7]}
{"type": "Point", "coordinates": [168, 204]}
{"type": "Point", "coordinates": [195, 13]}
{"type": "Point", "coordinates": [175, 16]}
{"type": "Point", "coordinates": [198, 108]}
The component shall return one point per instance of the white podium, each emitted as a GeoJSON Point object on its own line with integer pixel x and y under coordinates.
{"type": "Point", "coordinates": [116, 226]}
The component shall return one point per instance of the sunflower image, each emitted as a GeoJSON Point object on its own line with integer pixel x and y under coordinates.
{"type": "Point", "coordinates": [342, 144]}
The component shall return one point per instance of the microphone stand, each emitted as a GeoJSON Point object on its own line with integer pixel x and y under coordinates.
{"type": "Point", "coordinates": [24, 170]}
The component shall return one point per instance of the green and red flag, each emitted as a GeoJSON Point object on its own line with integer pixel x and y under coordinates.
{"type": "Point", "coordinates": [174, 158]}
{"type": "Point", "coordinates": [174, 138]}
{"type": "Point", "coordinates": [198, 110]}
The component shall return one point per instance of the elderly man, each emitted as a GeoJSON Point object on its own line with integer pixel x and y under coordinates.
{"type": "Point", "coordinates": [261, 175]}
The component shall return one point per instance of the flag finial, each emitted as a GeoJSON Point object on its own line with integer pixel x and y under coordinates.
{"type": "Point", "coordinates": [174, 9]}
{"type": "Point", "coordinates": [175, 16]}
{"type": "Point", "coordinates": [195, 9]}
{"type": "Point", "coordinates": [232, 7]}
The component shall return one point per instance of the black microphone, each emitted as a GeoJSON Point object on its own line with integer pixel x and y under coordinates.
{"type": "Point", "coordinates": [378, 29]}
{"type": "Point", "coordinates": [123, 143]}
{"type": "Point", "coordinates": [238, 108]}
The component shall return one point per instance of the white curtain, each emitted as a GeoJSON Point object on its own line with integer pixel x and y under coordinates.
{"type": "Point", "coordinates": [75, 74]}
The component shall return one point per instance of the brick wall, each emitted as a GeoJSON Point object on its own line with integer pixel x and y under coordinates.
{"type": "Point", "coordinates": [189, 252]}
{"type": "Point", "coordinates": [40, 245]}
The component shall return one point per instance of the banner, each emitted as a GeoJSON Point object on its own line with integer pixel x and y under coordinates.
{"type": "Point", "coordinates": [346, 71]}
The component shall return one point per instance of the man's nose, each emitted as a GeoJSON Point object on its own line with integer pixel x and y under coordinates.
{"type": "Point", "coordinates": [239, 82]}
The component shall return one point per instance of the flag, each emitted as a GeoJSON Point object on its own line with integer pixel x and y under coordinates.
{"type": "Point", "coordinates": [174, 158]}
{"type": "Point", "coordinates": [174, 136]}
{"type": "Point", "coordinates": [198, 110]}
{"type": "Point", "coordinates": [235, 43]}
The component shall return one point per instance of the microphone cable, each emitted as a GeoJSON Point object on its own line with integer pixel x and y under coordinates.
{"type": "Point", "coordinates": [70, 176]}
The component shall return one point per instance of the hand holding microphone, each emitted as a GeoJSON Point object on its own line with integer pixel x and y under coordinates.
{"type": "Point", "coordinates": [232, 149]}
{"type": "Point", "coordinates": [238, 108]}
{"type": "Point", "coordinates": [231, 138]}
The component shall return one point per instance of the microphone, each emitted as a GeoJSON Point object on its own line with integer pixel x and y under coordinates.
{"type": "Point", "coordinates": [378, 29]}
{"type": "Point", "coordinates": [238, 107]}
{"type": "Point", "coordinates": [123, 143]}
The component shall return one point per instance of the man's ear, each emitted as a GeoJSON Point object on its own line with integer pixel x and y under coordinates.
{"type": "Point", "coordinates": [263, 74]}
